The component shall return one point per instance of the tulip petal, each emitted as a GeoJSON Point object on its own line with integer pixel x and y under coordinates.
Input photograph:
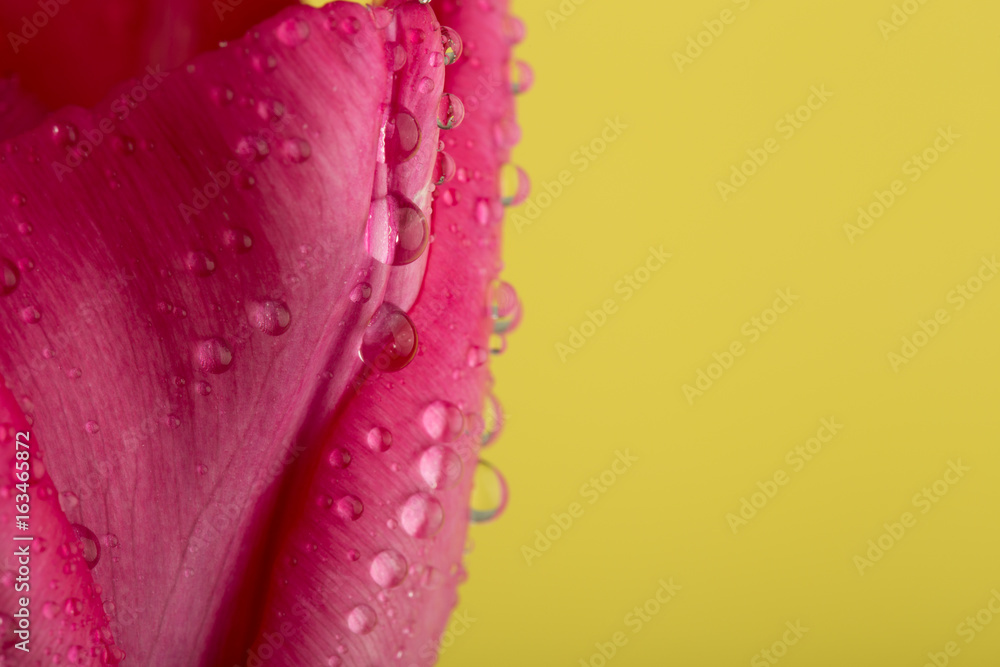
{"type": "Point", "coordinates": [378, 588]}
{"type": "Point", "coordinates": [186, 309]}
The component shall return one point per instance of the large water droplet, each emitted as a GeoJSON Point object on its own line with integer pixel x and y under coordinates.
{"type": "Point", "coordinates": [91, 547]}
{"type": "Point", "coordinates": [379, 439]}
{"type": "Point", "coordinates": [492, 420]}
{"type": "Point", "coordinates": [451, 43]}
{"type": "Point", "coordinates": [361, 293]}
{"type": "Point", "coordinates": [440, 467]}
{"type": "Point", "coordinates": [389, 343]}
{"type": "Point", "coordinates": [521, 77]}
{"type": "Point", "coordinates": [450, 112]}
{"type": "Point", "coordinates": [513, 30]}
{"type": "Point", "coordinates": [489, 494]}
{"type": "Point", "coordinates": [293, 32]}
{"type": "Point", "coordinates": [403, 136]}
{"type": "Point", "coordinates": [349, 508]}
{"type": "Point", "coordinates": [421, 515]}
{"type": "Point", "coordinates": [505, 307]}
{"type": "Point", "coordinates": [444, 168]}
{"type": "Point", "coordinates": [339, 458]}
{"type": "Point", "coordinates": [271, 317]}
{"type": "Point", "coordinates": [362, 619]}
{"type": "Point", "coordinates": [515, 186]}
{"type": "Point", "coordinates": [9, 276]}
{"type": "Point", "coordinates": [214, 356]}
{"type": "Point", "coordinates": [443, 421]}
{"type": "Point", "coordinates": [388, 568]}
{"type": "Point", "coordinates": [412, 230]}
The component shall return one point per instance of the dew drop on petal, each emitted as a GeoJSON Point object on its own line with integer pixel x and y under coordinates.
{"type": "Point", "coordinates": [30, 315]}
{"type": "Point", "coordinates": [91, 547]}
{"type": "Point", "coordinates": [381, 17]}
{"type": "Point", "coordinates": [521, 77]}
{"type": "Point", "coordinates": [403, 135]}
{"type": "Point", "coordinates": [515, 186]}
{"type": "Point", "coordinates": [388, 568]}
{"type": "Point", "coordinates": [68, 501]}
{"type": "Point", "coordinates": [362, 619]}
{"type": "Point", "coordinates": [237, 239]}
{"type": "Point", "coordinates": [379, 439]}
{"type": "Point", "coordinates": [489, 494]}
{"type": "Point", "coordinates": [296, 150]}
{"type": "Point", "coordinates": [92, 427]}
{"type": "Point", "coordinates": [200, 263]}
{"type": "Point", "coordinates": [339, 458]}
{"type": "Point", "coordinates": [435, 59]}
{"type": "Point", "coordinates": [440, 467]}
{"type": "Point", "coordinates": [451, 43]}
{"type": "Point", "coordinates": [492, 420]}
{"type": "Point", "coordinates": [293, 32]}
{"type": "Point", "coordinates": [271, 317]}
{"type": "Point", "coordinates": [421, 516]}
{"type": "Point", "coordinates": [389, 343]}
{"type": "Point", "coordinates": [214, 356]}
{"type": "Point", "coordinates": [504, 307]}
{"type": "Point", "coordinates": [398, 57]}
{"type": "Point", "coordinates": [513, 30]}
{"type": "Point", "coordinates": [450, 112]}
{"type": "Point", "coordinates": [203, 388]}
{"type": "Point", "coordinates": [444, 168]}
{"type": "Point", "coordinates": [443, 421]}
{"type": "Point", "coordinates": [412, 230]}
{"type": "Point", "coordinates": [476, 357]}
{"type": "Point", "coordinates": [349, 508]}
{"type": "Point", "coordinates": [361, 293]}
{"type": "Point", "coordinates": [9, 277]}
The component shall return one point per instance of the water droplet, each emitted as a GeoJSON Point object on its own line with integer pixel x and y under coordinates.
{"type": "Point", "coordinates": [379, 439]}
{"type": "Point", "coordinates": [444, 168]}
{"type": "Point", "coordinates": [349, 25]}
{"type": "Point", "coordinates": [252, 149]}
{"type": "Point", "coordinates": [237, 239]}
{"type": "Point", "coordinates": [24, 229]}
{"type": "Point", "coordinates": [334, 661]}
{"type": "Point", "coordinates": [489, 494]}
{"type": "Point", "coordinates": [203, 388]}
{"type": "Point", "coordinates": [17, 200]}
{"type": "Point", "coordinates": [451, 42]}
{"type": "Point", "coordinates": [389, 343]}
{"type": "Point", "coordinates": [361, 293]}
{"type": "Point", "coordinates": [296, 150]}
{"type": "Point", "coordinates": [492, 420]}
{"type": "Point", "coordinates": [403, 135]}
{"type": "Point", "coordinates": [388, 568]}
{"type": "Point", "coordinates": [214, 356]}
{"type": "Point", "coordinates": [64, 135]}
{"type": "Point", "coordinates": [201, 469]}
{"type": "Point", "coordinates": [92, 427]}
{"type": "Point", "coordinates": [521, 77]}
{"type": "Point", "coordinates": [450, 112]}
{"type": "Point", "coordinates": [293, 32]}
{"type": "Point", "coordinates": [91, 547]}
{"type": "Point", "coordinates": [350, 508]}
{"type": "Point", "coordinates": [421, 515]}
{"type": "Point", "coordinates": [482, 211]}
{"type": "Point", "coordinates": [73, 607]}
{"type": "Point", "coordinates": [75, 654]}
{"type": "Point", "coordinates": [506, 132]}
{"type": "Point", "coordinates": [111, 540]}
{"type": "Point", "coordinates": [440, 467]}
{"type": "Point", "coordinates": [50, 610]}
{"type": "Point", "coordinates": [352, 555]}
{"type": "Point", "coordinates": [200, 263]}
{"type": "Point", "coordinates": [412, 229]}
{"type": "Point", "coordinates": [68, 501]}
{"type": "Point", "coordinates": [362, 620]}
{"type": "Point", "coordinates": [426, 85]}
{"type": "Point", "coordinates": [30, 315]}
{"type": "Point", "coordinates": [9, 277]}
{"type": "Point", "coordinates": [381, 16]}
{"type": "Point", "coordinates": [513, 30]}
{"type": "Point", "coordinates": [270, 109]}
{"type": "Point", "coordinates": [435, 58]}
{"type": "Point", "coordinates": [398, 57]}
{"type": "Point", "coordinates": [74, 373]}
{"type": "Point", "coordinates": [339, 458]}
{"type": "Point", "coordinates": [515, 186]}
{"type": "Point", "coordinates": [476, 357]}
{"type": "Point", "coordinates": [504, 307]}
{"type": "Point", "coordinates": [443, 421]}
{"type": "Point", "coordinates": [271, 317]}
{"type": "Point", "coordinates": [173, 421]}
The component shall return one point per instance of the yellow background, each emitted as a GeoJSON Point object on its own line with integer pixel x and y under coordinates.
{"type": "Point", "coordinates": [826, 357]}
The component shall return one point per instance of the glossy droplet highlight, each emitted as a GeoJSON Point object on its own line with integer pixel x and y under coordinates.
{"type": "Point", "coordinates": [349, 508]}
{"type": "Point", "coordinates": [362, 619]}
{"type": "Point", "coordinates": [9, 277]}
{"type": "Point", "coordinates": [403, 135]}
{"type": "Point", "coordinates": [421, 516]}
{"type": "Point", "coordinates": [339, 458]}
{"type": "Point", "coordinates": [389, 343]}
{"type": "Point", "coordinates": [271, 317]}
{"type": "Point", "coordinates": [440, 467]}
{"type": "Point", "coordinates": [388, 568]}
{"type": "Point", "coordinates": [296, 150]}
{"type": "Point", "coordinates": [489, 494]}
{"type": "Point", "coordinates": [451, 44]}
{"type": "Point", "coordinates": [91, 547]}
{"type": "Point", "coordinates": [513, 30]}
{"type": "Point", "coordinates": [30, 315]}
{"type": "Point", "coordinates": [492, 420]}
{"type": "Point", "coordinates": [444, 168]}
{"type": "Point", "coordinates": [92, 427]}
{"type": "Point", "coordinates": [379, 439]}
{"type": "Point", "coordinates": [293, 32]}
{"type": "Point", "coordinates": [361, 293]}
{"type": "Point", "coordinates": [450, 112]}
{"type": "Point", "coordinates": [515, 186]}
{"type": "Point", "coordinates": [237, 239]}
{"type": "Point", "coordinates": [442, 421]}
{"type": "Point", "coordinates": [522, 77]}
{"type": "Point", "coordinates": [200, 263]}
{"type": "Point", "coordinates": [412, 230]}
{"type": "Point", "coordinates": [504, 307]}
{"type": "Point", "coordinates": [214, 356]}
